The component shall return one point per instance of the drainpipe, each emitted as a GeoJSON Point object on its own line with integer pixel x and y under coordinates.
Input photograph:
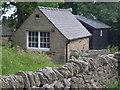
{"type": "Point", "coordinates": [67, 51]}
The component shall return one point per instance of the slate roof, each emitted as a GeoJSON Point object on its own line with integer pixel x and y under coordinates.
{"type": "Point", "coordinates": [65, 22]}
{"type": "Point", "coordinates": [94, 23]}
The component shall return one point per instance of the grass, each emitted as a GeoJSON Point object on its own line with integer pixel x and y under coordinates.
{"type": "Point", "coordinates": [115, 84]}
{"type": "Point", "coordinates": [15, 59]}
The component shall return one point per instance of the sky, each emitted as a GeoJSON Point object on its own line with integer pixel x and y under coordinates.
{"type": "Point", "coordinates": [9, 12]}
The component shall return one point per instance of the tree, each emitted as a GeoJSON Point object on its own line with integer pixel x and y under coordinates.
{"type": "Point", "coordinates": [23, 10]}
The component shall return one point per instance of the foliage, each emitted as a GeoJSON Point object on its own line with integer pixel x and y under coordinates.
{"type": "Point", "coordinates": [112, 49]}
{"type": "Point", "coordinates": [115, 84]}
{"type": "Point", "coordinates": [23, 10]}
{"type": "Point", "coordinates": [15, 59]}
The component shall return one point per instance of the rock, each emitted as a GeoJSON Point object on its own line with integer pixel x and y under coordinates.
{"type": "Point", "coordinates": [58, 84]}
{"type": "Point", "coordinates": [74, 79]}
{"type": "Point", "coordinates": [67, 83]}
{"type": "Point", "coordinates": [74, 85]}
{"type": "Point", "coordinates": [87, 78]}
{"type": "Point", "coordinates": [49, 73]}
{"type": "Point", "coordinates": [31, 78]}
{"type": "Point", "coordinates": [34, 88]}
{"type": "Point", "coordinates": [64, 71]}
{"type": "Point", "coordinates": [18, 81]}
{"type": "Point", "coordinates": [70, 68]}
{"type": "Point", "coordinates": [87, 85]}
{"type": "Point", "coordinates": [58, 74]}
{"type": "Point", "coordinates": [91, 66]}
{"type": "Point", "coordinates": [6, 82]}
{"type": "Point", "coordinates": [94, 85]}
{"type": "Point", "coordinates": [37, 79]}
{"type": "Point", "coordinates": [117, 55]}
{"type": "Point", "coordinates": [47, 86]}
{"type": "Point", "coordinates": [77, 66]}
{"type": "Point", "coordinates": [25, 78]}
{"type": "Point", "coordinates": [12, 81]}
{"type": "Point", "coordinates": [43, 79]}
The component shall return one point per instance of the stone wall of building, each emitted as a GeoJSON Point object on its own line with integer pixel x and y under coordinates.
{"type": "Point", "coordinates": [80, 44]}
{"type": "Point", "coordinates": [57, 40]}
{"type": "Point", "coordinates": [84, 72]}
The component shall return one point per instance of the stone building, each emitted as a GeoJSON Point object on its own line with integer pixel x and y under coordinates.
{"type": "Point", "coordinates": [53, 30]}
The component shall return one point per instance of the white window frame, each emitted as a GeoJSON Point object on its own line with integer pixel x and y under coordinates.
{"type": "Point", "coordinates": [101, 33]}
{"type": "Point", "coordinates": [35, 48]}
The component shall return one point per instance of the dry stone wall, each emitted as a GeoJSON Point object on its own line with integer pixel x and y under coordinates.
{"type": "Point", "coordinates": [85, 72]}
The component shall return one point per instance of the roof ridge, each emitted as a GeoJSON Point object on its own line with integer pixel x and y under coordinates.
{"type": "Point", "coordinates": [51, 8]}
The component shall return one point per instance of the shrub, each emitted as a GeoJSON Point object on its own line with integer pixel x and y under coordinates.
{"type": "Point", "coordinates": [112, 49]}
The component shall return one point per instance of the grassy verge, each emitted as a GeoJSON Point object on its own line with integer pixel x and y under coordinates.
{"type": "Point", "coordinates": [14, 60]}
{"type": "Point", "coordinates": [115, 84]}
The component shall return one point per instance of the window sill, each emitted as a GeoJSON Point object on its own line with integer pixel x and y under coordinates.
{"type": "Point", "coordinates": [38, 49]}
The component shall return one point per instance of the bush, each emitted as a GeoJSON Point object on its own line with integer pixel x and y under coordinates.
{"type": "Point", "coordinates": [112, 49]}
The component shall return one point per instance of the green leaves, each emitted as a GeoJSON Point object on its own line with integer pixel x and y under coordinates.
{"type": "Point", "coordinates": [23, 11]}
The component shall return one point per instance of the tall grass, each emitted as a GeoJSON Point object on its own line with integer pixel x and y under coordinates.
{"type": "Point", "coordinates": [15, 59]}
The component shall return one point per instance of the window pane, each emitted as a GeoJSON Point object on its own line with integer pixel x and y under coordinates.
{"type": "Point", "coordinates": [36, 45]}
{"type": "Point", "coordinates": [45, 40]}
{"type": "Point", "coordinates": [45, 45]}
{"type": "Point", "coordinates": [29, 44]}
{"type": "Point", "coordinates": [32, 39]}
{"type": "Point", "coordinates": [41, 33]}
{"type": "Point", "coordinates": [36, 40]}
{"type": "Point", "coordinates": [37, 34]}
{"type": "Point", "coordinates": [29, 38]}
{"type": "Point", "coordinates": [41, 45]}
{"type": "Point", "coordinates": [29, 33]}
{"type": "Point", "coordinates": [44, 34]}
{"type": "Point", "coordinates": [48, 45]}
{"type": "Point", "coordinates": [32, 44]}
{"type": "Point", "coordinates": [48, 40]}
{"type": "Point", "coordinates": [32, 33]}
{"type": "Point", "coordinates": [47, 34]}
{"type": "Point", "coordinates": [41, 39]}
